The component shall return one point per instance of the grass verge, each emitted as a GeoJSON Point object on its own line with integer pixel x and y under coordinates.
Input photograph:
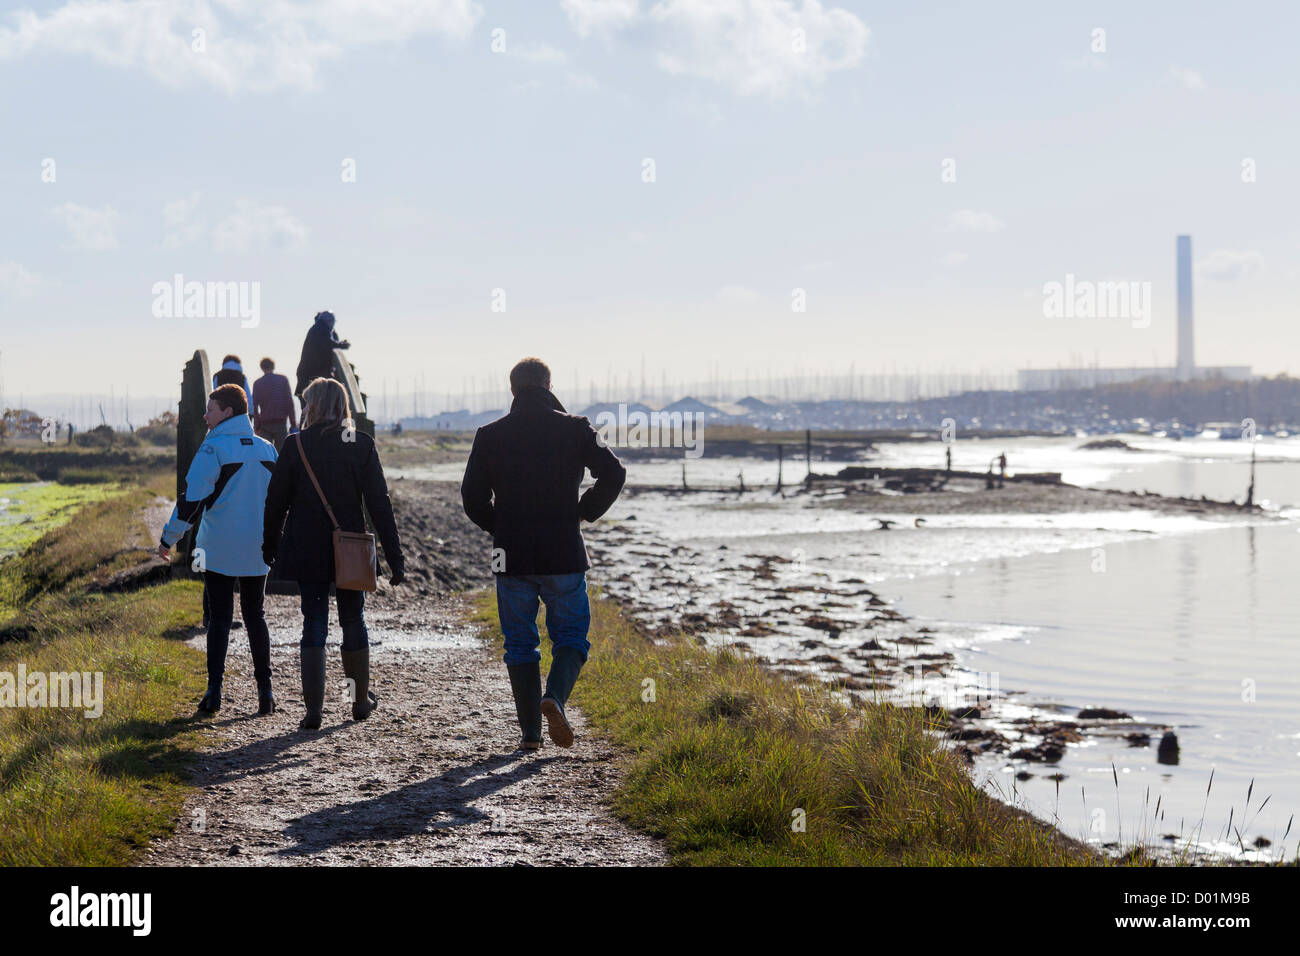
{"type": "Point", "coordinates": [733, 765]}
{"type": "Point", "coordinates": [92, 791]}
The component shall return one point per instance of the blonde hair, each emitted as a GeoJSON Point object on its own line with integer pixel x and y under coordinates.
{"type": "Point", "coordinates": [326, 400]}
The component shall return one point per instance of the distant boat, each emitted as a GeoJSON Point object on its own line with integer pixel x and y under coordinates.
{"type": "Point", "coordinates": [1228, 431]}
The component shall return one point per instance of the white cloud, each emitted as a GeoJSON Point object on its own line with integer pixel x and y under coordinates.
{"type": "Point", "coordinates": [954, 259]}
{"type": "Point", "coordinates": [256, 228]}
{"type": "Point", "coordinates": [90, 228]}
{"type": "Point", "coordinates": [759, 46]}
{"type": "Point", "coordinates": [15, 280]}
{"type": "Point", "coordinates": [1189, 78]}
{"type": "Point", "coordinates": [970, 220]}
{"type": "Point", "coordinates": [768, 47]}
{"type": "Point", "coordinates": [180, 225]}
{"type": "Point", "coordinates": [589, 17]}
{"type": "Point", "coordinates": [1229, 264]}
{"type": "Point", "coordinates": [246, 44]}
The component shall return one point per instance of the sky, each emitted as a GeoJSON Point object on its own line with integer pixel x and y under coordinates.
{"type": "Point", "coordinates": [700, 188]}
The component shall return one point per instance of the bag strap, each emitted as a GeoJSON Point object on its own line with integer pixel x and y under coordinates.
{"type": "Point", "coordinates": [316, 484]}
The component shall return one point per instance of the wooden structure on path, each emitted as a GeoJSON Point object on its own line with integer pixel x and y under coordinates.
{"type": "Point", "coordinates": [191, 429]}
{"type": "Point", "coordinates": [345, 372]}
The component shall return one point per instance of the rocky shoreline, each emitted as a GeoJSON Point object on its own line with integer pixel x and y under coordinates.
{"type": "Point", "coordinates": [840, 630]}
{"type": "Point", "coordinates": [805, 623]}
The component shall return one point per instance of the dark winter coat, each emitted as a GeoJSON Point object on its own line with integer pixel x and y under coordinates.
{"type": "Point", "coordinates": [350, 474]}
{"type": "Point", "coordinates": [521, 485]}
{"type": "Point", "coordinates": [317, 359]}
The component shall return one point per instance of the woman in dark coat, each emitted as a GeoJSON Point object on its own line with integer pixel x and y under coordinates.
{"type": "Point", "coordinates": [346, 464]}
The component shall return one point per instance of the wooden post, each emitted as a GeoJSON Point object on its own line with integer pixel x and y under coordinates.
{"type": "Point", "coordinates": [780, 462]}
{"type": "Point", "coordinates": [191, 429]}
{"type": "Point", "coordinates": [345, 372]}
{"type": "Point", "coordinates": [1250, 492]}
{"type": "Point", "coordinates": [807, 449]}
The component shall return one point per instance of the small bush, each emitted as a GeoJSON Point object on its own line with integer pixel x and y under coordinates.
{"type": "Point", "coordinates": [160, 435]}
{"type": "Point", "coordinates": [85, 476]}
{"type": "Point", "coordinates": [103, 436]}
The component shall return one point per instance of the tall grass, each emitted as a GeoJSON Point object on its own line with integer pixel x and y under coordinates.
{"type": "Point", "coordinates": [86, 791]}
{"type": "Point", "coordinates": [733, 765]}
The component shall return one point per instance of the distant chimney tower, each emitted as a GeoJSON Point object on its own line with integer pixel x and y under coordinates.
{"type": "Point", "coordinates": [1186, 367]}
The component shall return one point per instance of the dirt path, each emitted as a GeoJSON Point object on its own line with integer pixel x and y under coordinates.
{"type": "Point", "coordinates": [430, 778]}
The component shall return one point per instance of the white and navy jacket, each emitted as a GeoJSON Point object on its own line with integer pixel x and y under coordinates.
{"type": "Point", "coordinates": [225, 490]}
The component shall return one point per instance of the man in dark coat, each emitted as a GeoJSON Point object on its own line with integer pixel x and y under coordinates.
{"type": "Point", "coordinates": [318, 347]}
{"type": "Point", "coordinates": [521, 486]}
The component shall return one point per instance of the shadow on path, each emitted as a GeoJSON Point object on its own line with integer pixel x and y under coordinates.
{"type": "Point", "coordinates": [263, 756]}
{"type": "Point", "coordinates": [439, 803]}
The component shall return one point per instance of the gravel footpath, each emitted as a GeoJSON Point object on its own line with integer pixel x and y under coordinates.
{"type": "Point", "coordinates": [432, 776]}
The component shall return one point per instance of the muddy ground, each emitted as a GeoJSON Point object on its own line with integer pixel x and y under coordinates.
{"type": "Point", "coordinates": [965, 495]}
{"type": "Point", "coordinates": [432, 777]}
{"type": "Point", "coordinates": [803, 622]}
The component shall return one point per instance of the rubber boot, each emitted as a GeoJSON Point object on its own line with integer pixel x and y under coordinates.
{"type": "Point", "coordinates": [566, 662]}
{"type": "Point", "coordinates": [313, 686]}
{"type": "Point", "coordinates": [356, 667]}
{"type": "Point", "coordinates": [259, 643]}
{"type": "Point", "coordinates": [211, 702]}
{"type": "Point", "coordinates": [526, 684]}
{"type": "Point", "coordinates": [265, 699]}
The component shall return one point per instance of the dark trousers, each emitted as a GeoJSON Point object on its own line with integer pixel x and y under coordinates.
{"type": "Point", "coordinates": [220, 591]}
{"type": "Point", "coordinates": [316, 615]}
{"type": "Point", "coordinates": [275, 434]}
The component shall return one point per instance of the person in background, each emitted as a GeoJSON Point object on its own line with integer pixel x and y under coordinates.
{"type": "Point", "coordinates": [318, 347]}
{"type": "Point", "coordinates": [225, 492]}
{"type": "Point", "coordinates": [232, 373]}
{"type": "Point", "coordinates": [521, 486]}
{"type": "Point", "coordinates": [346, 463]}
{"type": "Point", "coordinates": [273, 413]}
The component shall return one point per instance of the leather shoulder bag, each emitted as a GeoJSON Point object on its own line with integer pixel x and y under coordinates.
{"type": "Point", "coordinates": [356, 560]}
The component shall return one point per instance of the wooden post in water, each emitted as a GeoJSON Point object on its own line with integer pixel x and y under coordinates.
{"type": "Point", "coordinates": [1250, 492]}
{"type": "Point", "coordinates": [191, 429]}
{"type": "Point", "coordinates": [807, 456]}
{"type": "Point", "coordinates": [780, 461]}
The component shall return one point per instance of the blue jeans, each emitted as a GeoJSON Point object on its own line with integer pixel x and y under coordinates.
{"type": "Point", "coordinates": [316, 615]}
{"type": "Point", "coordinates": [568, 615]}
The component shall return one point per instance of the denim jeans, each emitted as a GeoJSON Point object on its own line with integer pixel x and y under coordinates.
{"type": "Point", "coordinates": [316, 615]}
{"type": "Point", "coordinates": [219, 589]}
{"type": "Point", "coordinates": [568, 615]}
